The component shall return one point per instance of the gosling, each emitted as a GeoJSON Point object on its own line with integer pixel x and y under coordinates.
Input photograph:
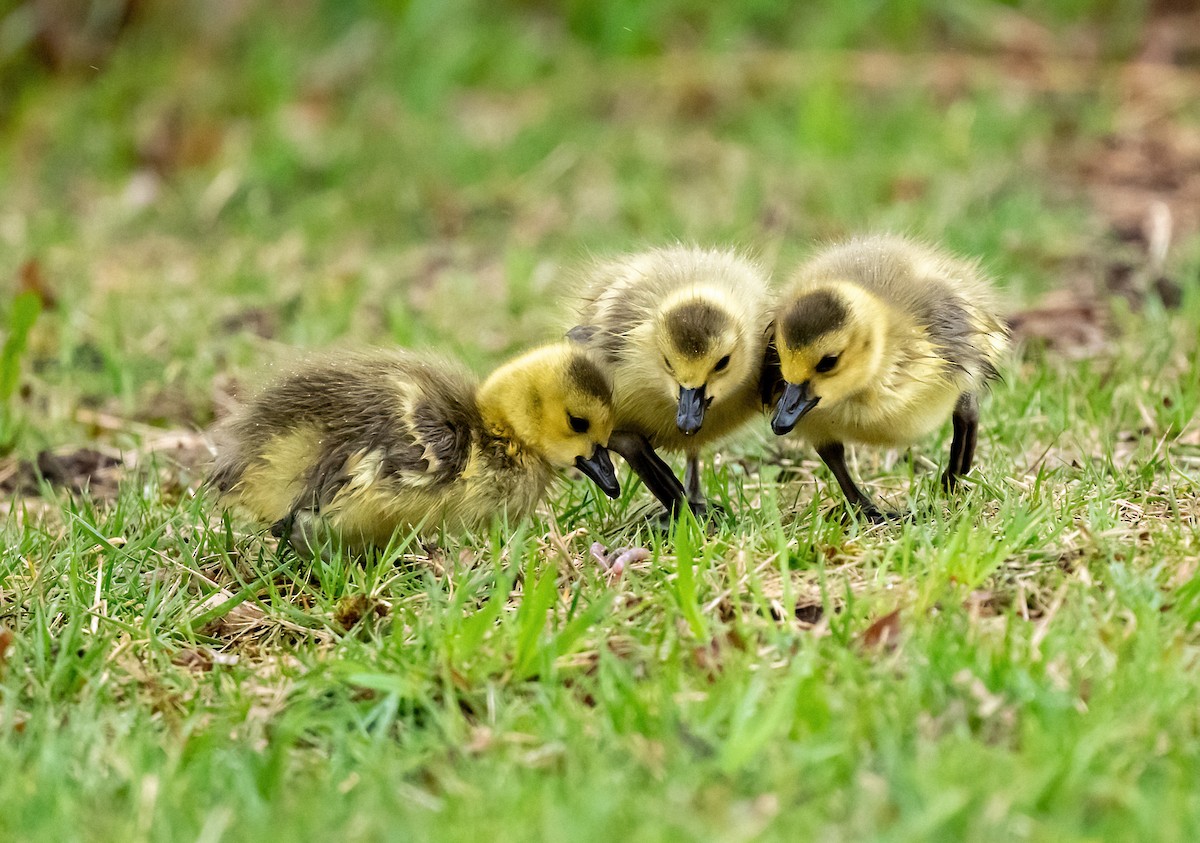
{"type": "Point", "coordinates": [359, 446]}
{"type": "Point", "coordinates": [879, 339]}
{"type": "Point", "coordinates": [682, 331]}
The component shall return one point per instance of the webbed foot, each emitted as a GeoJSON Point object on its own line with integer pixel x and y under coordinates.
{"type": "Point", "coordinates": [872, 514]}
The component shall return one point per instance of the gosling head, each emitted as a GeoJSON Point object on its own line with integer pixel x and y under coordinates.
{"type": "Point", "coordinates": [830, 340]}
{"type": "Point", "coordinates": [703, 344]}
{"type": "Point", "coordinates": [556, 401]}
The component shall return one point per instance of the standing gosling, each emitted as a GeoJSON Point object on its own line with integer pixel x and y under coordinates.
{"type": "Point", "coordinates": [682, 329]}
{"type": "Point", "coordinates": [879, 339]}
{"type": "Point", "coordinates": [369, 443]}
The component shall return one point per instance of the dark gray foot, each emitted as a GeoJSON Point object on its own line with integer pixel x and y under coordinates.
{"type": "Point", "coordinates": [875, 515]}
{"type": "Point", "coordinates": [304, 532]}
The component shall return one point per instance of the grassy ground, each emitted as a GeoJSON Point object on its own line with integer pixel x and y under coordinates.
{"type": "Point", "coordinates": [1020, 662]}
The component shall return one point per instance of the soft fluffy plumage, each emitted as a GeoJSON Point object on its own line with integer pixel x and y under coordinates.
{"type": "Point", "coordinates": [369, 443]}
{"type": "Point", "coordinates": [881, 339]}
{"type": "Point", "coordinates": [682, 330]}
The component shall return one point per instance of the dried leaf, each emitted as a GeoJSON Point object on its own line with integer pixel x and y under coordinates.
{"type": "Point", "coordinates": [195, 659]}
{"type": "Point", "coordinates": [6, 642]}
{"type": "Point", "coordinates": [17, 724]}
{"type": "Point", "coordinates": [238, 619]}
{"type": "Point", "coordinates": [31, 279]}
{"type": "Point", "coordinates": [709, 657]}
{"type": "Point", "coordinates": [883, 634]}
{"type": "Point", "coordinates": [1168, 291]}
{"type": "Point", "coordinates": [354, 607]}
{"type": "Point", "coordinates": [983, 602]}
{"type": "Point", "coordinates": [177, 140]}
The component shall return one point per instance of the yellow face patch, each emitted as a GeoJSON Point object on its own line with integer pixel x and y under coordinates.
{"type": "Point", "coordinates": [828, 342]}
{"type": "Point", "coordinates": [555, 401]}
{"type": "Point", "coordinates": [694, 370]}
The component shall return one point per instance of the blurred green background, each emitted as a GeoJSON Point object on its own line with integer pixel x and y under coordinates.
{"type": "Point", "coordinates": [198, 186]}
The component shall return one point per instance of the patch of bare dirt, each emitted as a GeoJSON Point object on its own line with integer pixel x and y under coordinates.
{"type": "Point", "coordinates": [1147, 175]}
{"type": "Point", "coordinates": [77, 470]}
{"type": "Point", "coordinates": [180, 457]}
{"type": "Point", "coordinates": [1064, 321]}
{"type": "Point", "coordinates": [1143, 178]}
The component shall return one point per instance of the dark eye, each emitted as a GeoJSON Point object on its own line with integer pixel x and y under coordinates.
{"type": "Point", "coordinates": [577, 424]}
{"type": "Point", "coordinates": [667, 363]}
{"type": "Point", "coordinates": [826, 363]}
{"type": "Point", "coordinates": [722, 364]}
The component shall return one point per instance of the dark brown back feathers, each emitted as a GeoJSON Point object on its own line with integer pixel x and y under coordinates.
{"type": "Point", "coordinates": [356, 404]}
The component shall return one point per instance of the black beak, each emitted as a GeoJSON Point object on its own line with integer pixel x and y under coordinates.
{"type": "Point", "coordinates": [691, 410]}
{"type": "Point", "coordinates": [599, 469]}
{"type": "Point", "coordinates": [796, 401]}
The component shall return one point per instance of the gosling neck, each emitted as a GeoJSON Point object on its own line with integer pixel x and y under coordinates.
{"type": "Point", "coordinates": [493, 399]}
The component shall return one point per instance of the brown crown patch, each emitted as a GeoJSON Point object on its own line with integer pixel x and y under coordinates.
{"type": "Point", "coordinates": [811, 316]}
{"type": "Point", "coordinates": [694, 326]}
{"type": "Point", "coordinates": [583, 373]}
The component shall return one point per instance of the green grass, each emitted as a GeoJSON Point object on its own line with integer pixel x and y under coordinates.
{"type": "Point", "coordinates": [430, 175]}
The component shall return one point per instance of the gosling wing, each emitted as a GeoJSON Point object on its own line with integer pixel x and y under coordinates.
{"type": "Point", "coordinates": [373, 420]}
{"type": "Point", "coordinates": [410, 428]}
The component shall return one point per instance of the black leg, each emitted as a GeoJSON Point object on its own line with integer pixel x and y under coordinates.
{"type": "Point", "coordinates": [703, 509]}
{"type": "Point", "coordinates": [834, 456]}
{"type": "Point", "coordinates": [691, 483]}
{"type": "Point", "coordinates": [962, 445]}
{"type": "Point", "coordinates": [635, 449]}
{"type": "Point", "coordinates": [282, 529]}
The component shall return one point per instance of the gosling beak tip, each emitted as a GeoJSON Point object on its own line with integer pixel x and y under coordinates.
{"type": "Point", "coordinates": [794, 404]}
{"type": "Point", "coordinates": [692, 404]}
{"type": "Point", "coordinates": [599, 469]}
